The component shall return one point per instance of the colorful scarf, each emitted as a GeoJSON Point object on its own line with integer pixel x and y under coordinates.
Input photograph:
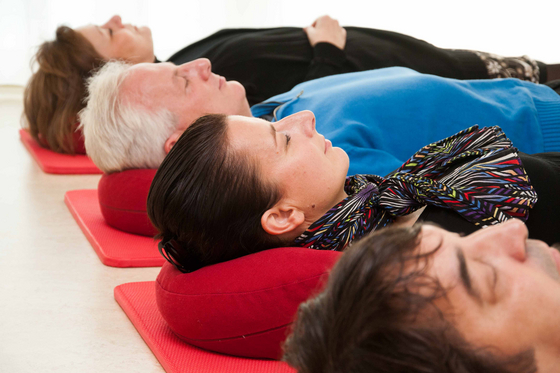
{"type": "Point", "coordinates": [476, 173]}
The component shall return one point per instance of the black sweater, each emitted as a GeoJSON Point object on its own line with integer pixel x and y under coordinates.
{"type": "Point", "coordinates": [272, 61]}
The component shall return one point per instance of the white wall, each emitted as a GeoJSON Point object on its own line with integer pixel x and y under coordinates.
{"type": "Point", "coordinates": [503, 27]}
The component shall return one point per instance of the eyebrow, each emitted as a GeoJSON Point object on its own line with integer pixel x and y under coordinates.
{"type": "Point", "coordinates": [99, 29]}
{"type": "Point", "coordinates": [273, 131]}
{"type": "Point", "coordinates": [174, 80]}
{"type": "Point", "coordinates": [465, 276]}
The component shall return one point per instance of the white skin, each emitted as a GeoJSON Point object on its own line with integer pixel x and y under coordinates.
{"type": "Point", "coordinates": [514, 298]}
{"type": "Point", "coordinates": [115, 40]}
{"type": "Point", "coordinates": [326, 30]}
{"type": "Point", "coordinates": [307, 170]}
{"type": "Point", "coordinates": [189, 91]}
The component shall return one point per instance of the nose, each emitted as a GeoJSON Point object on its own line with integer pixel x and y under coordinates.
{"type": "Point", "coordinates": [114, 22]}
{"type": "Point", "coordinates": [201, 67]}
{"type": "Point", "coordinates": [303, 121]}
{"type": "Point", "coordinates": [508, 238]}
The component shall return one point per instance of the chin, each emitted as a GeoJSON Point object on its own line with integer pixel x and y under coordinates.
{"type": "Point", "coordinates": [234, 84]}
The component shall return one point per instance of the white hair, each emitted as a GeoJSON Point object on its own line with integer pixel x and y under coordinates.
{"type": "Point", "coordinates": [122, 136]}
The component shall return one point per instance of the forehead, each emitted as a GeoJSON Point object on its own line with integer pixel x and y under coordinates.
{"type": "Point", "coordinates": [241, 122]}
{"type": "Point", "coordinates": [249, 133]}
{"type": "Point", "coordinates": [148, 82]}
{"type": "Point", "coordinates": [241, 126]}
{"type": "Point", "coordinates": [441, 248]}
{"type": "Point", "coordinates": [91, 33]}
{"type": "Point", "coordinates": [143, 71]}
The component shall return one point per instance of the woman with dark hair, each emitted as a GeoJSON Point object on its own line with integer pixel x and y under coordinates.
{"type": "Point", "coordinates": [266, 62]}
{"type": "Point", "coordinates": [234, 185]}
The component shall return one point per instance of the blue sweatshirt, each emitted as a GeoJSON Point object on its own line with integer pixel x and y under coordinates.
{"type": "Point", "coordinates": [382, 117]}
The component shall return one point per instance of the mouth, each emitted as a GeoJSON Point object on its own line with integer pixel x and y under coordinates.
{"type": "Point", "coordinates": [556, 256]}
{"type": "Point", "coordinates": [328, 144]}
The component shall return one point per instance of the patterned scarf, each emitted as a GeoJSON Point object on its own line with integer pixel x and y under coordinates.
{"type": "Point", "coordinates": [476, 173]}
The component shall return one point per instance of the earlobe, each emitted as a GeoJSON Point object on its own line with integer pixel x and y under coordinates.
{"type": "Point", "coordinates": [280, 220]}
{"type": "Point", "coordinates": [170, 142]}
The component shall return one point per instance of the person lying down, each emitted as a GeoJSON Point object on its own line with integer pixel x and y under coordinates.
{"type": "Point", "coordinates": [265, 61]}
{"type": "Point", "coordinates": [235, 185]}
{"type": "Point", "coordinates": [423, 299]}
{"type": "Point", "coordinates": [379, 117]}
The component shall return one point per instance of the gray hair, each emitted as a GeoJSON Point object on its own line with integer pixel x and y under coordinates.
{"type": "Point", "coordinates": [121, 136]}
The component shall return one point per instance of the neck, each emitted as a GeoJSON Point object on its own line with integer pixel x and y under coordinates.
{"type": "Point", "coordinates": [246, 110]}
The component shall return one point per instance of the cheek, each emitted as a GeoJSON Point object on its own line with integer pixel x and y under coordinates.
{"type": "Point", "coordinates": [513, 323]}
{"type": "Point", "coordinates": [125, 46]}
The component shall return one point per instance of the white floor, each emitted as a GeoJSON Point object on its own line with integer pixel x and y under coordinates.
{"type": "Point", "coordinates": [57, 311]}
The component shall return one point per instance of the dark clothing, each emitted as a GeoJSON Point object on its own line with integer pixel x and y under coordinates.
{"type": "Point", "coordinates": [544, 218]}
{"type": "Point", "coordinates": [272, 61]}
{"type": "Point", "coordinates": [555, 85]}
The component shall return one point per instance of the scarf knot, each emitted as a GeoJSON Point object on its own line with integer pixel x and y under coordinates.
{"type": "Point", "coordinates": [476, 172]}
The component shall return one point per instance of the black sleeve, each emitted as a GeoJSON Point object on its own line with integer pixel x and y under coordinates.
{"type": "Point", "coordinates": [327, 60]}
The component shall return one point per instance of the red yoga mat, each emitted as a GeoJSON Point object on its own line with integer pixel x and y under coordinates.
{"type": "Point", "coordinates": [115, 248]}
{"type": "Point", "coordinates": [138, 301]}
{"type": "Point", "coordinates": [56, 163]}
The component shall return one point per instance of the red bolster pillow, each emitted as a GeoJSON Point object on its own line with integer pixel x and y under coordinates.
{"type": "Point", "coordinates": [78, 140]}
{"type": "Point", "coordinates": [242, 307]}
{"type": "Point", "coordinates": [122, 199]}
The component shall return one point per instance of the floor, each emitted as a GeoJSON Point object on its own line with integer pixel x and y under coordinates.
{"type": "Point", "coordinates": [57, 311]}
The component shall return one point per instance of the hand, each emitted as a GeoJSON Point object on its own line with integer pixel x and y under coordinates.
{"type": "Point", "coordinates": [326, 29]}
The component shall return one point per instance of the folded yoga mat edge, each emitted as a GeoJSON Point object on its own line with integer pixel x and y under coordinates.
{"type": "Point", "coordinates": [137, 299]}
{"type": "Point", "coordinates": [130, 311]}
{"type": "Point", "coordinates": [86, 199]}
{"type": "Point", "coordinates": [54, 163]}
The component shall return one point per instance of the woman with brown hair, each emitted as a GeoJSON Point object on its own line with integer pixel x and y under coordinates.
{"type": "Point", "coordinates": [266, 62]}
{"type": "Point", "coordinates": [54, 94]}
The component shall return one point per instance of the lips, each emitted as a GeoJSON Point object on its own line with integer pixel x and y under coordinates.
{"type": "Point", "coordinates": [556, 256]}
{"type": "Point", "coordinates": [221, 81]}
{"type": "Point", "coordinates": [328, 145]}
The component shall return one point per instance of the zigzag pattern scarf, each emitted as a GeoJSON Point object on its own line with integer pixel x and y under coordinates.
{"type": "Point", "coordinates": [476, 173]}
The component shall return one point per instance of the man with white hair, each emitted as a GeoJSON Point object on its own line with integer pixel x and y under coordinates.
{"type": "Point", "coordinates": [136, 113]}
{"type": "Point", "coordinates": [127, 126]}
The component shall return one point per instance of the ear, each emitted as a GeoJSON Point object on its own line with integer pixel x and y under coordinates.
{"type": "Point", "coordinates": [171, 140]}
{"type": "Point", "coordinates": [280, 220]}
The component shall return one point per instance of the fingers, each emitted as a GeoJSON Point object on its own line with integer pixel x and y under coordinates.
{"type": "Point", "coordinates": [326, 29]}
{"type": "Point", "coordinates": [325, 20]}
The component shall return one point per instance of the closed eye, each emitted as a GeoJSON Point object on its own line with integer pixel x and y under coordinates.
{"type": "Point", "coordinates": [288, 138]}
{"type": "Point", "coordinates": [111, 32]}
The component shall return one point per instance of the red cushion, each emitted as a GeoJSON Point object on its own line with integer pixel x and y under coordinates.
{"type": "Point", "coordinates": [122, 198]}
{"type": "Point", "coordinates": [78, 140]}
{"type": "Point", "coordinates": [242, 307]}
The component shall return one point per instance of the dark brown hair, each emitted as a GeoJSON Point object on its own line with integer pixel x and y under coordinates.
{"type": "Point", "coordinates": [372, 318]}
{"type": "Point", "coordinates": [54, 95]}
{"type": "Point", "coordinates": [208, 200]}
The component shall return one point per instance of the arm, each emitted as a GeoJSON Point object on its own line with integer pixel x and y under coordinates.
{"type": "Point", "coordinates": [328, 40]}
